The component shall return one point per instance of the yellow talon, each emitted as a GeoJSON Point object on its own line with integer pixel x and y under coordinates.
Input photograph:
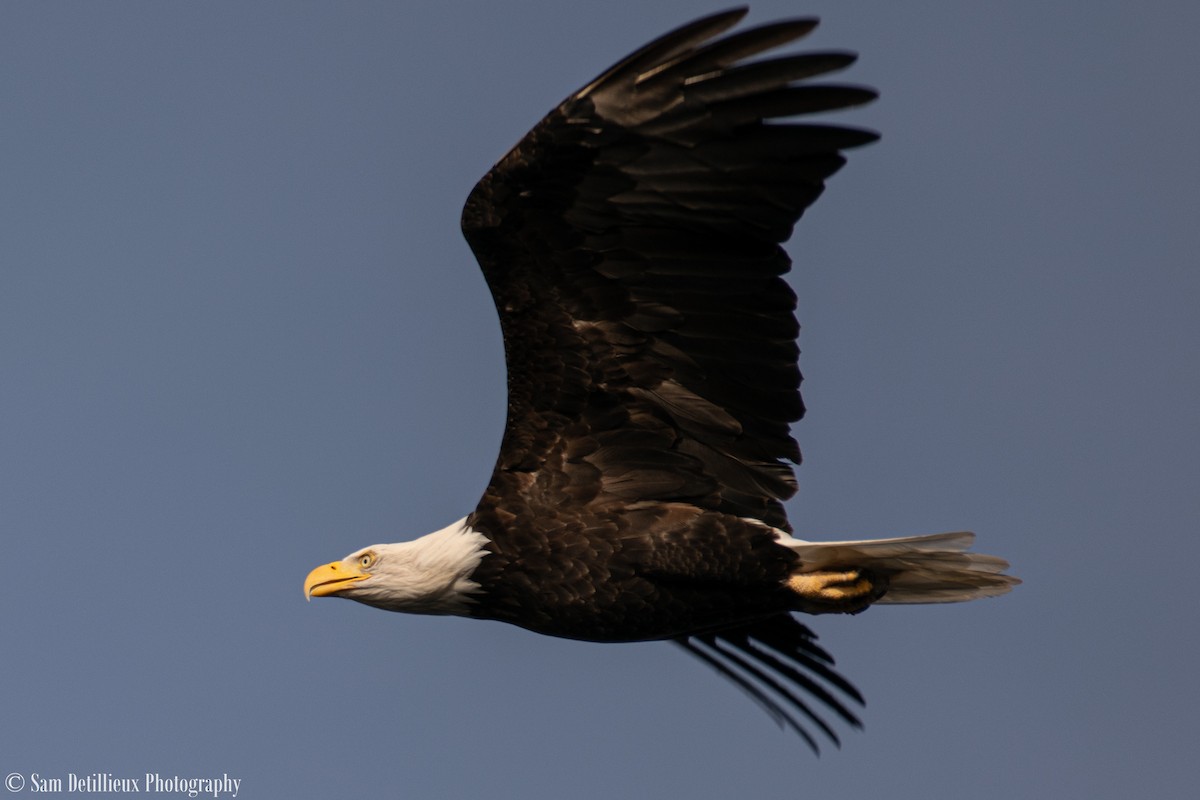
{"type": "Point", "coordinates": [832, 587]}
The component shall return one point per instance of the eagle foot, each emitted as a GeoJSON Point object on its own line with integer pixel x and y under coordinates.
{"type": "Point", "coordinates": [836, 592]}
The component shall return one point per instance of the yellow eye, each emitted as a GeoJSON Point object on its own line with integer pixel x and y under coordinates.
{"type": "Point", "coordinates": [366, 560]}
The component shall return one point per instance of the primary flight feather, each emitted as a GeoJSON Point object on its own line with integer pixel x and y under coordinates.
{"type": "Point", "coordinates": [631, 242]}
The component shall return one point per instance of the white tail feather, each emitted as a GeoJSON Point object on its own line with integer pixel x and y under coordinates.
{"type": "Point", "coordinates": [920, 569]}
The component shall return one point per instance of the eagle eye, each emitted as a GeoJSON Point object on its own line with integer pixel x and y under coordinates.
{"type": "Point", "coordinates": [366, 560]}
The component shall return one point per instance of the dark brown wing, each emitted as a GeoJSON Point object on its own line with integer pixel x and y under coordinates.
{"type": "Point", "coordinates": [778, 662]}
{"type": "Point", "coordinates": [631, 244]}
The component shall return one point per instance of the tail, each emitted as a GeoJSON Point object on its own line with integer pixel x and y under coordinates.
{"type": "Point", "coordinates": [919, 569]}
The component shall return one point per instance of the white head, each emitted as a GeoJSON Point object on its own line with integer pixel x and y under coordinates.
{"type": "Point", "coordinates": [430, 575]}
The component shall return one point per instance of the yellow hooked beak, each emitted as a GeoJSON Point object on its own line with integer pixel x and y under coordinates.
{"type": "Point", "coordinates": [331, 578]}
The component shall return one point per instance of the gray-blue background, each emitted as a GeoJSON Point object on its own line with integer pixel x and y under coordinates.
{"type": "Point", "coordinates": [240, 335]}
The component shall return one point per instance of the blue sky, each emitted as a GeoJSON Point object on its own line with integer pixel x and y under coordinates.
{"type": "Point", "coordinates": [241, 335]}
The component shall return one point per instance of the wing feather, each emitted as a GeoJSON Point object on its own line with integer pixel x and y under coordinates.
{"type": "Point", "coordinates": [631, 243]}
{"type": "Point", "coordinates": [776, 661]}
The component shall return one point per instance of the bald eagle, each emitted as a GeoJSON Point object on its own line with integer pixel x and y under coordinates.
{"type": "Point", "coordinates": [631, 242]}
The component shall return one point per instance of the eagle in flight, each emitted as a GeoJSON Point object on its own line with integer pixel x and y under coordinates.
{"type": "Point", "coordinates": [632, 244]}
